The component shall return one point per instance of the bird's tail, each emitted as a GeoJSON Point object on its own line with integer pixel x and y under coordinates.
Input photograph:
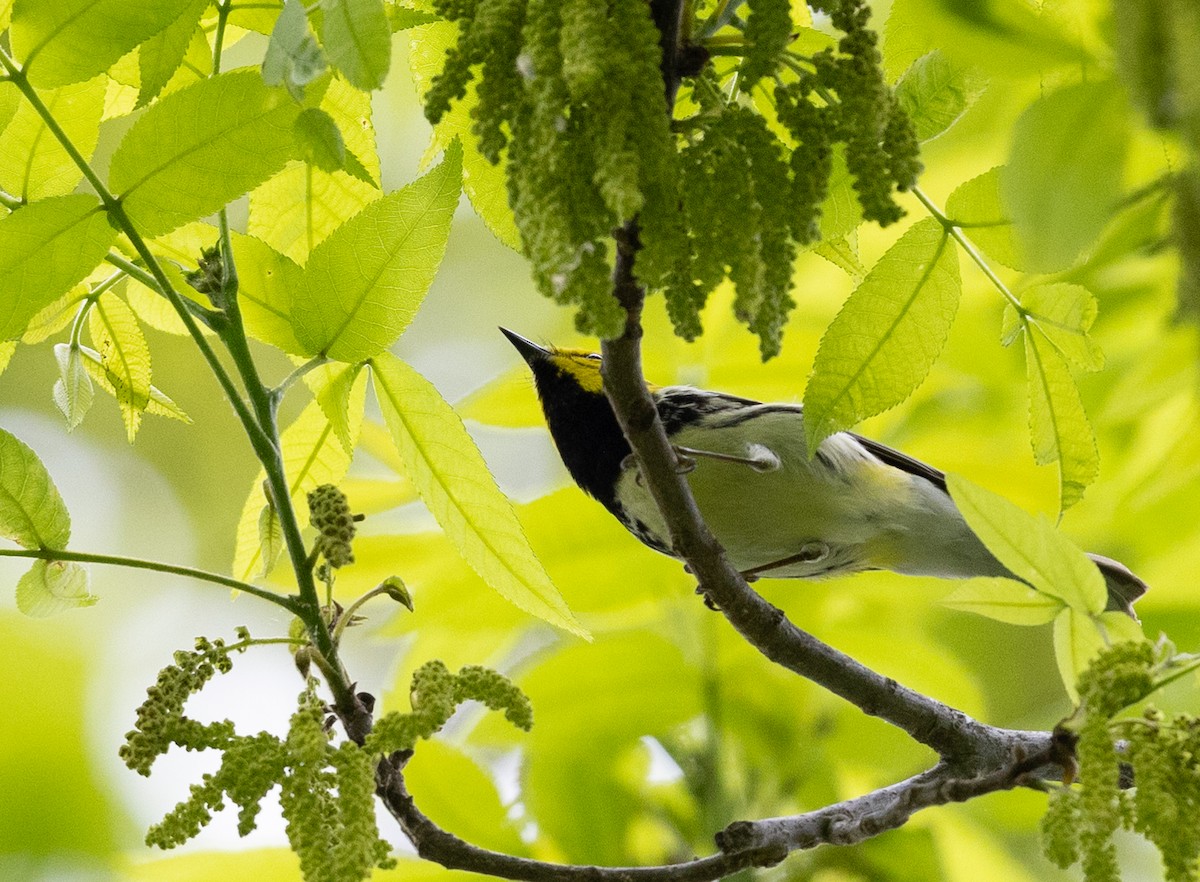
{"type": "Point", "coordinates": [1123, 586]}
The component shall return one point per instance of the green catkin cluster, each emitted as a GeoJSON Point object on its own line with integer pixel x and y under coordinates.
{"type": "Point", "coordinates": [571, 93]}
{"type": "Point", "coordinates": [329, 513]}
{"type": "Point", "coordinates": [435, 695]}
{"type": "Point", "coordinates": [1164, 756]}
{"type": "Point", "coordinates": [160, 721]}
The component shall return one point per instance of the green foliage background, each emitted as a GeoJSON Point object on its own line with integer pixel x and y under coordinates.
{"type": "Point", "coordinates": [663, 674]}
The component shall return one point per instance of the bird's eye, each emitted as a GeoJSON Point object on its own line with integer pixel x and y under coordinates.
{"type": "Point", "coordinates": [594, 356]}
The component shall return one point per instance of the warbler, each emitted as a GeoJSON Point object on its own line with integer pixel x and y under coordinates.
{"type": "Point", "coordinates": [855, 505]}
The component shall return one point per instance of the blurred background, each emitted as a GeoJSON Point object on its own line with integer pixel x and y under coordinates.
{"type": "Point", "coordinates": [666, 728]}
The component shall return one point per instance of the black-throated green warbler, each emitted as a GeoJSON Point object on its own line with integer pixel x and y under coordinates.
{"type": "Point", "coordinates": [855, 505]}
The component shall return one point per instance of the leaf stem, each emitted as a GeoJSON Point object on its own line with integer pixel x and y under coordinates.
{"type": "Point", "coordinates": [11, 202]}
{"type": "Point", "coordinates": [312, 364]}
{"type": "Point", "coordinates": [969, 247]}
{"type": "Point", "coordinates": [288, 602]}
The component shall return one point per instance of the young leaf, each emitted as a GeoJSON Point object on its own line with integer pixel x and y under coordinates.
{"type": "Point", "coordinates": [842, 253]}
{"type": "Point", "coordinates": [124, 355]}
{"type": "Point", "coordinates": [1030, 547]}
{"type": "Point", "coordinates": [887, 335]}
{"type": "Point", "coordinates": [449, 472]}
{"type": "Point", "coordinates": [1064, 313]}
{"type": "Point", "coordinates": [293, 59]}
{"type": "Point", "coordinates": [977, 208]}
{"type": "Point", "coordinates": [52, 587]}
{"type": "Point", "coordinates": [332, 385]}
{"type": "Point", "coordinates": [312, 455]}
{"type": "Point", "coordinates": [358, 38]}
{"type": "Point", "coordinates": [160, 56]}
{"type": "Point", "coordinates": [7, 350]}
{"type": "Point", "coordinates": [319, 140]}
{"type": "Point", "coordinates": [270, 539]}
{"type": "Point", "coordinates": [73, 392]}
{"type": "Point", "coordinates": [45, 248]}
{"type": "Point", "coordinates": [363, 284]}
{"type": "Point", "coordinates": [266, 282]}
{"type": "Point", "coordinates": [159, 403]}
{"type": "Point", "coordinates": [33, 164]}
{"type": "Point", "coordinates": [1064, 172]}
{"type": "Point", "coordinates": [32, 514]}
{"type": "Point", "coordinates": [301, 206]}
{"type": "Point", "coordinates": [67, 41]}
{"type": "Point", "coordinates": [52, 318]}
{"type": "Point", "coordinates": [935, 93]}
{"type": "Point", "coordinates": [1077, 641]}
{"type": "Point", "coordinates": [201, 147]}
{"type": "Point", "coordinates": [1004, 600]}
{"type": "Point", "coordinates": [1058, 424]}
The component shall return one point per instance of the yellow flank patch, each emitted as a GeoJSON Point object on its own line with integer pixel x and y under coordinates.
{"type": "Point", "coordinates": [583, 367]}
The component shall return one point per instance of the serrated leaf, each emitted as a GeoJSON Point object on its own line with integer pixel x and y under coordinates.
{"type": "Point", "coordinates": [450, 474]}
{"type": "Point", "coordinates": [312, 455]}
{"type": "Point", "coordinates": [33, 164]}
{"type": "Point", "coordinates": [1058, 425]}
{"type": "Point", "coordinates": [363, 284]}
{"type": "Point", "coordinates": [935, 93]}
{"type": "Point", "coordinates": [888, 334]}
{"type": "Point", "coordinates": [199, 148]}
{"type": "Point", "coordinates": [124, 355]}
{"type": "Point", "coordinates": [10, 102]}
{"type": "Point", "coordinates": [841, 211]}
{"type": "Point", "coordinates": [45, 249]}
{"type": "Point", "coordinates": [1030, 548]}
{"type": "Point", "coordinates": [1079, 638]}
{"type": "Point", "coordinates": [401, 18]}
{"type": "Point", "coordinates": [1064, 171]}
{"type": "Point", "coordinates": [483, 183]}
{"type": "Point", "coordinates": [1004, 600]}
{"type": "Point", "coordinates": [161, 56]}
{"type": "Point", "coordinates": [73, 392]}
{"type": "Point", "coordinates": [32, 513]}
{"type": "Point", "coordinates": [293, 57]}
{"type": "Point", "coordinates": [1064, 313]}
{"type": "Point", "coordinates": [51, 587]}
{"type": "Point", "coordinates": [266, 282]}
{"type": "Point", "coordinates": [67, 41]}
{"type": "Point", "coordinates": [976, 207]}
{"type": "Point", "coordinates": [55, 316]}
{"type": "Point", "coordinates": [160, 404]}
{"type": "Point", "coordinates": [319, 140]}
{"type": "Point", "coordinates": [333, 394]}
{"type": "Point", "coordinates": [7, 349]}
{"type": "Point", "coordinates": [358, 38]}
{"type": "Point", "coordinates": [843, 254]}
{"type": "Point", "coordinates": [299, 207]}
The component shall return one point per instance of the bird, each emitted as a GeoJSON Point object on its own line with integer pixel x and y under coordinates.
{"type": "Point", "coordinates": [854, 505]}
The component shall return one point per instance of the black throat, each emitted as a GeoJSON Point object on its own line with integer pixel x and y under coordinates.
{"type": "Point", "coordinates": [585, 430]}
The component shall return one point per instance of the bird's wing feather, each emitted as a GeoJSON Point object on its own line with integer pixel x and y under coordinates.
{"type": "Point", "coordinates": [903, 461]}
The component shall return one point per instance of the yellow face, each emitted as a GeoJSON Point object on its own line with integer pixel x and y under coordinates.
{"type": "Point", "coordinates": [580, 365]}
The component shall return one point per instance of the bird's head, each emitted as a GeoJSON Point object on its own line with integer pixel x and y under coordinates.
{"type": "Point", "coordinates": [581, 421]}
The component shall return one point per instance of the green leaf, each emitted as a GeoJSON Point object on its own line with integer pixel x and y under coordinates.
{"type": "Point", "coordinates": [448, 471]}
{"type": "Point", "coordinates": [319, 140]}
{"type": "Point", "coordinates": [124, 355]}
{"type": "Point", "coordinates": [1004, 600]}
{"type": "Point", "coordinates": [1063, 313]}
{"type": "Point", "coordinates": [312, 455]}
{"type": "Point", "coordinates": [483, 183]}
{"type": "Point", "coordinates": [68, 41]}
{"type": "Point", "coordinates": [1065, 171]}
{"type": "Point", "coordinates": [842, 253]}
{"type": "Point", "coordinates": [333, 384]}
{"type": "Point", "coordinates": [201, 147]}
{"type": "Point", "coordinates": [161, 56]}
{"type": "Point", "coordinates": [1030, 547]}
{"type": "Point", "coordinates": [840, 212]}
{"type": "Point", "coordinates": [52, 587]}
{"type": "Point", "coordinates": [402, 18]}
{"type": "Point", "coordinates": [1078, 639]}
{"type": "Point", "coordinates": [1058, 424]}
{"type": "Point", "coordinates": [888, 334]}
{"type": "Point", "coordinates": [10, 102]}
{"type": "Point", "coordinates": [358, 38]}
{"type": "Point", "coordinates": [32, 514]}
{"type": "Point", "coordinates": [364, 283]}
{"type": "Point", "coordinates": [977, 208]}
{"type": "Point", "coordinates": [301, 206]}
{"type": "Point", "coordinates": [45, 249]}
{"type": "Point", "coordinates": [935, 93]}
{"type": "Point", "coordinates": [266, 282]}
{"type": "Point", "coordinates": [270, 538]}
{"type": "Point", "coordinates": [73, 392]}
{"type": "Point", "coordinates": [33, 164]}
{"type": "Point", "coordinates": [7, 349]}
{"type": "Point", "coordinates": [293, 58]}
{"type": "Point", "coordinates": [159, 403]}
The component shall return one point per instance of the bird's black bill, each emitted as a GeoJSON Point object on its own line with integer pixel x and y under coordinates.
{"type": "Point", "coordinates": [529, 350]}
